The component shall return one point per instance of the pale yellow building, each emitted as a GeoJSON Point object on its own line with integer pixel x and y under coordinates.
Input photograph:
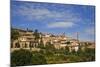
{"type": "Point", "coordinates": [27, 41]}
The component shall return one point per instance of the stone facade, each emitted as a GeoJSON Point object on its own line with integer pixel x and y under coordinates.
{"type": "Point", "coordinates": [27, 41]}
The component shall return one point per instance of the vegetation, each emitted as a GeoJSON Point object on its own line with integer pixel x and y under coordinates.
{"type": "Point", "coordinates": [38, 58]}
{"type": "Point", "coordinates": [14, 34]}
{"type": "Point", "coordinates": [36, 34]}
{"type": "Point", "coordinates": [68, 42]}
{"type": "Point", "coordinates": [48, 54]}
{"type": "Point", "coordinates": [21, 58]}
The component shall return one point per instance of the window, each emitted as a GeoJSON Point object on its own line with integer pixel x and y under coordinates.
{"type": "Point", "coordinates": [17, 45]}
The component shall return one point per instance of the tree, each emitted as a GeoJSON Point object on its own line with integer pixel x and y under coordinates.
{"type": "Point", "coordinates": [38, 58]}
{"type": "Point", "coordinates": [67, 49]}
{"type": "Point", "coordinates": [36, 39]}
{"type": "Point", "coordinates": [49, 46]}
{"type": "Point", "coordinates": [36, 34]}
{"type": "Point", "coordinates": [90, 54]}
{"type": "Point", "coordinates": [14, 34]}
{"type": "Point", "coordinates": [49, 49]}
{"type": "Point", "coordinates": [41, 44]}
{"type": "Point", "coordinates": [21, 57]}
{"type": "Point", "coordinates": [68, 42]}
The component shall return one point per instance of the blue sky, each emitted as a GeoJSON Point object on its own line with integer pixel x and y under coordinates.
{"type": "Point", "coordinates": [55, 18]}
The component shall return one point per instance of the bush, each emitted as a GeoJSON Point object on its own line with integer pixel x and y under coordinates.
{"type": "Point", "coordinates": [38, 58]}
{"type": "Point", "coordinates": [21, 58]}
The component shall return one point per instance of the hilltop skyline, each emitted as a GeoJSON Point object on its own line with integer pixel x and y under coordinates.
{"type": "Point", "coordinates": [55, 18]}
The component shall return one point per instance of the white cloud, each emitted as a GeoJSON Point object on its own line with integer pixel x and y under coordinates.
{"type": "Point", "coordinates": [40, 13]}
{"type": "Point", "coordinates": [36, 13]}
{"type": "Point", "coordinates": [60, 25]}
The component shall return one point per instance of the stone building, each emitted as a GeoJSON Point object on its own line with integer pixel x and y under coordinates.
{"type": "Point", "coordinates": [27, 41]}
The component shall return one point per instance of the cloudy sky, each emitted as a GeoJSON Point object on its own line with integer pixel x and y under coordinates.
{"type": "Point", "coordinates": [55, 18]}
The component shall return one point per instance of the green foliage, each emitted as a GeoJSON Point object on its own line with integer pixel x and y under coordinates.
{"type": "Point", "coordinates": [49, 46]}
{"type": "Point", "coordinates": [49, 55]}
{"type": "Point", "coordinates": [49, 49]}
{"type": "Point", "coordinates": [67, 49]}
{"type": "Point", "coordinates": [68, 42]}
{"type": "Point", "coordinates": [21, 58]}
{"type": "Point", "coordinates": [45, 56]}
{"type": "Point", "coordinates": [90, 54]}
{"type": "Point", "coordinates": [87, 55]}
{"type": "Point", "coordinates": [36, 34]}
{"type": "Point", "coordinates": [38, 58]}
{"type": "Point", "coordinates": [41, 45]}
{"type": "Point", "coordinates": [14, 34]}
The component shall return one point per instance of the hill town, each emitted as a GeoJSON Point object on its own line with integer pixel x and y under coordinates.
{"type": "Point", "coordinates": [27, 39]}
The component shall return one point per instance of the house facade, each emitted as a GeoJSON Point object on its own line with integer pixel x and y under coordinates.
{"type": "Point", "coordinates": [26, 40]}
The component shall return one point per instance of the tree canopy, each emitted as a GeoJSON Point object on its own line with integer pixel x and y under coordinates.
{"type": "Point", "coordinates": [21, 58]}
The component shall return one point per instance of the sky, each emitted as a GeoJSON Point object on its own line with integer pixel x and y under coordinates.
{"type": "Point", "coordinates": [55, 18]}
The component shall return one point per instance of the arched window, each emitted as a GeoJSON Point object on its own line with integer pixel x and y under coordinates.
{"type": "Point", "coordinates": [25, 45]}
{"type": "Point", "coordinates": [17, 45]}
{"type": "Point", "coordinates": [30, 45]}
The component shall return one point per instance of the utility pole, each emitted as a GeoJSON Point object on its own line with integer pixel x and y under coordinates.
{"type": "Point", "coordinates": [78, 40]}
{"type": "Point", "coordinates": [77, 36]}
